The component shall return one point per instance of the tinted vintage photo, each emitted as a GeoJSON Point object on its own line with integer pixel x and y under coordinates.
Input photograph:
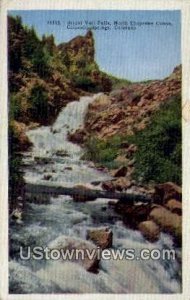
{"type": "Point", "coordinates": [95, 147]}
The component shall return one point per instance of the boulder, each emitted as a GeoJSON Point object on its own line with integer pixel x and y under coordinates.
{"type": "Point", "coordinates": [17, 215]}
{"type": "Point", "coordinates": [166, 191]}
{"type": "Point", "coordinates": [150, 230]}
{"type": "Point", "coordinates": [174, 206]}
{"type": "Point", "coordinates": [102, 237]}
{"type": "Point", "coordinates": [68, 243]}
{"type": "Point", "coordinates": [122, 183]}
{"type": "Point", "coordinates": [81, 195]}
{"type": "Point", "coordinates": [78, 136]}
{"type": "Point", "coordinates": [133, 214]}
{"type": "Point", "coordinates": [122, 171]}
{"type": "Point", "coordinates": [108, 186]}
{"type": "Point", "coordinates": [168, 221]}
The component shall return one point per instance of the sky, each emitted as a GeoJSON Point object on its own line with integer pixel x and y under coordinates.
{"type": "Point", "coordinates": [148, 52]}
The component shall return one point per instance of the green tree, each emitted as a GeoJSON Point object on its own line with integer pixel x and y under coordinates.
{"type": "Point", "coordinates": [15, 38]}
{"type": "Point", "coordinates": [38, 100]}
{"type": "Point", "coordinates": [49, 43]}
{"type": "Point", "coordinates": [30, 43]}
{"type": "Point", "coordinates": [40, 61]}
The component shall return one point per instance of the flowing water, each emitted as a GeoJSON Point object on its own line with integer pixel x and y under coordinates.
{"type": "Point", "coordinates": [54, 160]}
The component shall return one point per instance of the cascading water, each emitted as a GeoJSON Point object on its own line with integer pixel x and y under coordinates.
{"type": "Point", "coordinates": [54, 158]}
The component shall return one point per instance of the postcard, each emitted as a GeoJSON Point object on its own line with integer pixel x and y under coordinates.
{"type": "Point", "coordinates": [94, 150]}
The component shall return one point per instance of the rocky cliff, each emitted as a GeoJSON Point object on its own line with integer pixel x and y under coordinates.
{"type": "Point", "coordinates": [79, 57]}
{"type": "Point", "coordinates": [128, 110]}
{"type": "Point", "coordinates": [137, 129]}
{"type": "Point", "coordinates": [44, 77]}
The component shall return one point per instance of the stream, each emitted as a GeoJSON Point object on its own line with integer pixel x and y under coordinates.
{"type": "Point", "coordinates": [54, 160]}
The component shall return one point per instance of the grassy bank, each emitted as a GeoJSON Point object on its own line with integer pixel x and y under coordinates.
{"type": "Point", "coordinates": [158, 155]}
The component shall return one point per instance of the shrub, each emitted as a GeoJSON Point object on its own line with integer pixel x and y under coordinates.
{"type": "Point", "coordinates": [85, 83]}
{"type": "Point", "coordinates": [100, 151]}
{"type": "Point", "coordinates": [158, 157]}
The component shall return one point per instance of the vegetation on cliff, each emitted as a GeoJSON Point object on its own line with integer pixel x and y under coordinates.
{"type": "Point", "coordinates": [43, 75]}
{"type": "Point", "coordinates": [159, 146]}
{"type": "Point", "coordinates": [158, 155]}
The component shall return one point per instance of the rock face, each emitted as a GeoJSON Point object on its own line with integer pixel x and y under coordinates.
{"type": "Point", "coordinates": [168, 222]}
{"type": "Point", "coordinates": [149, 230]}
{"type": "Point", "coordinates": [79, 57]}
{"type": "Point", "coordinates": [71, 72]}
{"type": "Point", "coordinates": [69, 244]}
{"type": "Point", "coordinates": [102, 237]}
{"type": "Point", "coordinates": [77, 48]}
{"type": "Point", "coordinates": [129, 109]}
{"type": "Point", "coordinates": [166, 191]}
